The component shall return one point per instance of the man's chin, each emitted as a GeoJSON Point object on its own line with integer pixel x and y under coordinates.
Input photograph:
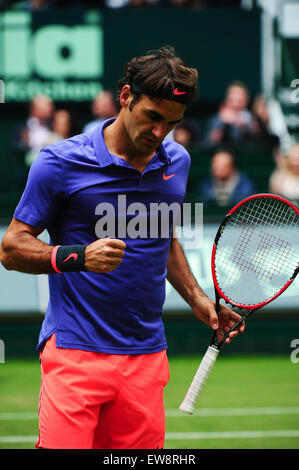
{"type": "Point", "coordinates": [145, 147]}
{"type": "Point", "coordinates": [148, 141]}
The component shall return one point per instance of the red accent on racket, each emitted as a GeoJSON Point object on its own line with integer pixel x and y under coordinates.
{"type": "Point", "coordinates": [255, 258]}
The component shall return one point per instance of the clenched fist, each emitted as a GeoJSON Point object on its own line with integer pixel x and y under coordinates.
{"type": "Point", "coordinates": [104, 255]}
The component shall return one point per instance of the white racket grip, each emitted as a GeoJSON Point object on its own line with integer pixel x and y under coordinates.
{"type": "Point", "coordinates": [199, 380]}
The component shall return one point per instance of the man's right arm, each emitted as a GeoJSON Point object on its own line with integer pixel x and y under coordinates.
{"type": "Point", "coordinates": [22, 251]}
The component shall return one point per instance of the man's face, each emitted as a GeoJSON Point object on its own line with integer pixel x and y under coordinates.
{"type": "Point", "coordinates": [42, 108]}
{"type": "Point", "coordinates": [237, 98]}
{"type": "Point", "coordinates": [222, 166]}
{"type": "Point", "coordinates": [103, 106]}
{"type": "Point", "coordinates": [149, 121]}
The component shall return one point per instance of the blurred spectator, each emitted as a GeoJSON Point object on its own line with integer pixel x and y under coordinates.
{"type": "Point", "coordinates": [201, 4]}
{"type": "Point", "coordinates": [261, 128]}
{"type": "Point", "coordinates": [138, 3]}
{"type": "Point", "coordinates": [103, 107]}
{"type": "Point", "coordinates": [36, 132]}
{"type": "Point", "coordinates": [186, 133]}
{"type": "Point", "coordinates": [232, 124]}
{"type": "Point", "coordinates": [44, 4]}
{"type": "Point", "coordinates": [116, 3]}
{"type": "Point", "coordinates": [179, 3]}
{"type": "Point", "coordinates": [226, 185]}
{"type": "Point", "coordinates": [62, 124]}
{"type": "Point", "coordinates": [85, 3]}
{"type": "Point", "coordinates": [132, 3]}
{"type": "Point", "coordinates": [284, 181]}
{"type": "Point", "coordinates": [39, 4]}
{"type": "Point", "coordinates": [38, 124]}
{"type": "Point", "coordinates": [235, 123]}
{"type": "Point", "coordinates": [65, 124]}
{"type": "Point", "coordinates": [32, 5]}
{"type": "Point", "coordinates": [43, 127]}
{"type": "Point", "coordinates": [223, 3]}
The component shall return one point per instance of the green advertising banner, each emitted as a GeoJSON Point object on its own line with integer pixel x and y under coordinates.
{"type": "Point", "coordinates": [72, 54]}
{"type": "Point", "coordinates": [58, 55]}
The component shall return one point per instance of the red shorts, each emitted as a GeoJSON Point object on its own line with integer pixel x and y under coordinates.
{"type": "Point", "coordinates": [92, 400]}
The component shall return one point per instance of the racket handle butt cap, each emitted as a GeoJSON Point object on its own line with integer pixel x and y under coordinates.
{"type": "Point", "coordinates": [187, 408]}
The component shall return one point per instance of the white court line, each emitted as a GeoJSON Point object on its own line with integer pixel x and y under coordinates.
{"type": "Point", "coordinates": [10, 439]}
{"type": "Point", "coordinates": [230, 434]}
{"type": "Point", "coordinates": [18, 415]}
{"type": "Point", "coordinates": [175, 413]}
{"type": "Point", "coordinates": [282, 410]}
{"type": "Point", "coordinates": [188, 435]}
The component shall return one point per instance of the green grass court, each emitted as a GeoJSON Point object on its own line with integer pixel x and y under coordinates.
{"type": "Point", "coordinates": [247, 403]}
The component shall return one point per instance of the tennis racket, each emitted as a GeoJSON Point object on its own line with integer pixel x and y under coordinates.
{"type": "Point", "coordinates": [255, 258]}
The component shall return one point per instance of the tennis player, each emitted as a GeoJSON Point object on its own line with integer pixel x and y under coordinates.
{"type": "Point", "coordinates": [102, 343]}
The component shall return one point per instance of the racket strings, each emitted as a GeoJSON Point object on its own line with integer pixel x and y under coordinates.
{"type": "Point", "coordinates": [258, 250]}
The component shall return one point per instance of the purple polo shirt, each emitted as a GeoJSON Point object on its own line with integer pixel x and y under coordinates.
{"type": "Point", "coordinates": [69, 183]}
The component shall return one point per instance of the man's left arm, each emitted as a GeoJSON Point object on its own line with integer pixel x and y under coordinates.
{"type": "Point", "coordinates": [181, 278]}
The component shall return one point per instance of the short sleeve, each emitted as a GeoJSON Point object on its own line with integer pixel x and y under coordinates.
{"type": "Point", "coordinates": [45, 191]}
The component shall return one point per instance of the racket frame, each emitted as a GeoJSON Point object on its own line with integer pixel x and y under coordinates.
{"type": "Point", "coordinates": [205, 366]}
{"type": "Point", "coordinates": [218, 292]}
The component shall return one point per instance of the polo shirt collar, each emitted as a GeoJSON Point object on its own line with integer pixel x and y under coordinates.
{"type": "Point", "coordinates": [105, 158]}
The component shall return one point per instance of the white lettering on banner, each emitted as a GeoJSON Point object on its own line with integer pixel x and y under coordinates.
{"type": "Point", "coordinates": [295, 93]}
{"type": "Point", "coordinates": [35, 61]}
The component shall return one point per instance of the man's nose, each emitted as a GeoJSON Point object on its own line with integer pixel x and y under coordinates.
{"type": "Point", "coordinates": [159, 131]}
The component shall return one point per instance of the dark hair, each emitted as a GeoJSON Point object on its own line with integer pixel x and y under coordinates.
{"type": "Point", "coordinates": [230, 152]}
{"type": "Point", "coordinates": [240, 84]}
{"type": "Point", "coordinates": [158, 74]}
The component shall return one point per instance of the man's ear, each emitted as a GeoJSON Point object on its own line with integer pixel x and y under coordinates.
{"type": "Point", "coordinates": [125, 96]}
